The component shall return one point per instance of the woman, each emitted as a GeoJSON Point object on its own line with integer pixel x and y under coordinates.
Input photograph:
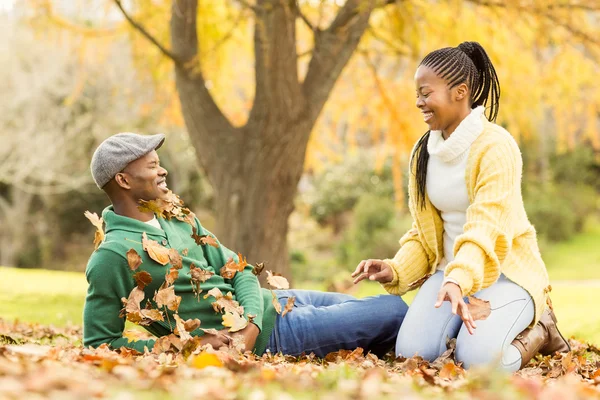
{"type": "Point", "coordinates": [470, 236]}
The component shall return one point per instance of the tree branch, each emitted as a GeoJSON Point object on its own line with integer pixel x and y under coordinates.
{"type": "Point", "coordinates": [304, 17]}
{"type": "Point", "coordinates": [146, 34]}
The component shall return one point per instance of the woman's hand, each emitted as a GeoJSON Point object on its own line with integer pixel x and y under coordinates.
{"type": "Point", "coordinates": [375, 270]}
{"type": "Point", "coordinates": [451, 292]}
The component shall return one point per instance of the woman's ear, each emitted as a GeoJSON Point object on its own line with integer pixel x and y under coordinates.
{"type": "Point", "coordinates": [461, 91]}
{"type": "Point", "coordinates": [122, 180]}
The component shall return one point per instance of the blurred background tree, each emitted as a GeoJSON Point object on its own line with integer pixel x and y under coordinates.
{"type": "Point", "coordinates": [259, 88]}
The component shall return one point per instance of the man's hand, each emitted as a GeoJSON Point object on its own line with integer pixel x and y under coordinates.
{"type": "Point", "coordinates": [375, 270]}
{"type": "Point", "coordinates": [249, 333]}
{"type": "Point", "coordinates": [216, 341]}
{"type": "Point", "coordinates": [451, 292]}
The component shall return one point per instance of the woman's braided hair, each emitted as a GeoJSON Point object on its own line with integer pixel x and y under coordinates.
{"type": "Point", "coordinates": [468, 63]}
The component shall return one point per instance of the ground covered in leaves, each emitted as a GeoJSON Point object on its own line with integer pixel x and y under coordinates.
{"type": "Point", "coordinates": [44, 362]}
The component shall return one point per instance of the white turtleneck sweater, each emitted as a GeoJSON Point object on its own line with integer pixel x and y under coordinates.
{"type": "Point", "coordinates": [446, 177]}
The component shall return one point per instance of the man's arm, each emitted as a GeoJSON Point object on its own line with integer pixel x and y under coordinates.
{"type": "Point", "coordinates": [247, 288]}
{"type": "Point", "coordinates": [109, 280]}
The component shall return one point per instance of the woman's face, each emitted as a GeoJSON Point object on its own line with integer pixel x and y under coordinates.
{"type": "Point", "coordinates": [442, 108]}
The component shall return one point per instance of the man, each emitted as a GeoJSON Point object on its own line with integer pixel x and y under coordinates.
{"type": "Point", "coordinates": [127, 167]}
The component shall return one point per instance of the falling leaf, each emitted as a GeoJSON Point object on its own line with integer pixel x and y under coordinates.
{"type": "Point", "coordinates": [159, 207]}
{"type": "Point", "coordinates": [97, 222]}
{"type": "Point", "coordinates": [133, 259]}
{"type": "Point", "coordinates": [171, 276]}
{"type": "Point", "coordinates": [192, 324]}
{"type": "Point", "coordinates": [230, 268]}
{"type": "Point", "coordinates": [202, 240]}
{"type": "Point", "coordinates": [214, 292]}
{"type": "Point", "coordinates": [180, 328]}
{"type": "Point", "coordinates": [206, 359]}
{"type": "Point", "coordinates": [227, 304]}
{"type": "Point", "coordinates": [142, 279]}
{"type": "Point", "coordinates": [175, 259]}
{"type": "Point", "coordinates": [184, 252]}
{"type": "Point", "coordinates": [277, 281]}
{"type": "Point", "coordinates": [289, 306]}
{"type": "Point", "coordinates": [133, 312]}
{"type": "Point", "coordinates": [165, 297]}
{"type": "Point", "coordinates": [200, 275]}
{"type": "Point", "coordinates": [234, 322]}
{"type": "Point", "coordinates": [156, 252]}
{"type": "Point", "coordinates": [258, 269]}
{"type": "Point", "coordinates": [276, 302]}
{"type": "Point", "coordinates": [478, 308]}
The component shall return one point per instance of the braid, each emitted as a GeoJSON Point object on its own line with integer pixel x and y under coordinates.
{"type": "Point", "coordinates": [468, 63]}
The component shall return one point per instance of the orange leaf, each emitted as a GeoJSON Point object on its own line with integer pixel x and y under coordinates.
{"type": "Point", "coordinates": [289, 306]}
{"type": "Point", "coordinates": [230, 268]}
{"type": "Point", "coordinates": [277, 281]}
{"type": "Point", "coordinates": [171, 276]}
{"type": "Point", "coordinates": [156, 252]}
{"type": "Point", "coordinates": [142, 279]}
{"type": "Point", "coordinates": [479, 309]}
{"type": "Point", "coordinates": [133, 259]}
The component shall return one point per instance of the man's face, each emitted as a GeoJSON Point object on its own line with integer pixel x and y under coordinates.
{"type": "Point", "coordinates": [146, 178]}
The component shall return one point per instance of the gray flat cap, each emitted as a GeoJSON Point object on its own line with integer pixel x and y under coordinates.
{"type": "Point", "coordinates": [114, 153]}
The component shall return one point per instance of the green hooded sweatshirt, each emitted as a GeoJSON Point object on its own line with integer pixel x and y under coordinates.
{"type": "Point", "coordinates": [110, 279]}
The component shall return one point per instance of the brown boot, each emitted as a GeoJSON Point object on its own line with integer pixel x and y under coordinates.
{"type": "Point", "coordinates": [544, 338]}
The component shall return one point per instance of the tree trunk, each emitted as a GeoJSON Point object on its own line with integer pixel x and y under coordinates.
{"type": "Point", "coordinates": [255, 169]}
{"type": "Point", "coordinates": [14, 212]}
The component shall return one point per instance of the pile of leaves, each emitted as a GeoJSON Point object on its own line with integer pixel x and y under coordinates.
{"type": "Point", "coordinates": [45, 362]}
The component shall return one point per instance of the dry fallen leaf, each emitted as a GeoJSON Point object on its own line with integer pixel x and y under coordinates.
{"type": "Point", "coordinates": [180, 329]}
{"type": "Point", "coordinates": [165, 297]}
{"type": "Point", "coordinates": [97, 222]}
{"type": "Point", "coordinates": [230, 268]}
{"type": "Point", "coordinates": [159, 207]}
{"type": "Point", "coordinates": [214, 292]}
{"type": "Point", "coordinates": [133, 311]}
{"type": "Point", "coordinates": [142, 279]}
{"type": "Point", "coordinates": [258, 269]}
{"type": "Point", "coordinates": [478, 308]}
{"type": "Point", "coordinates": [277, 281]}
{"type": "Point", "coordinates": [276, 302]}
{"type": "Point", "coordinates": [289, 306]}
{"type": "Point", "coordinates": [133, 259]}
{"type": "Point", "coordinates": [227, 304]}
{"type": "Point", "coordinates": [175, 259]}
{"type": "Point", "coordinates": [202, 240]}
{"type": "Point", "coordinates": [234, 322]}
{"type": "Point", "coordinates": [171, 276]}
{"type": "Point", "coordinates": [156, 252]}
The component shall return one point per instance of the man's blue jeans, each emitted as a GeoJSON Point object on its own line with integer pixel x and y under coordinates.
{"type": "Point", "coordinates": [323, 322]}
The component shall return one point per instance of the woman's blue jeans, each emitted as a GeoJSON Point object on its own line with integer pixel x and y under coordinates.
{"type": "Point", "coordinates": [323, 322]}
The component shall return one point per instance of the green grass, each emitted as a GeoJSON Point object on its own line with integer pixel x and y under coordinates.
{"type": "Point", "coordinates": [575, 259]}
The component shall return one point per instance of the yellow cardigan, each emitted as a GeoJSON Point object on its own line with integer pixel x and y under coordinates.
{"type": "Point", "coordinates": [497, 238]}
